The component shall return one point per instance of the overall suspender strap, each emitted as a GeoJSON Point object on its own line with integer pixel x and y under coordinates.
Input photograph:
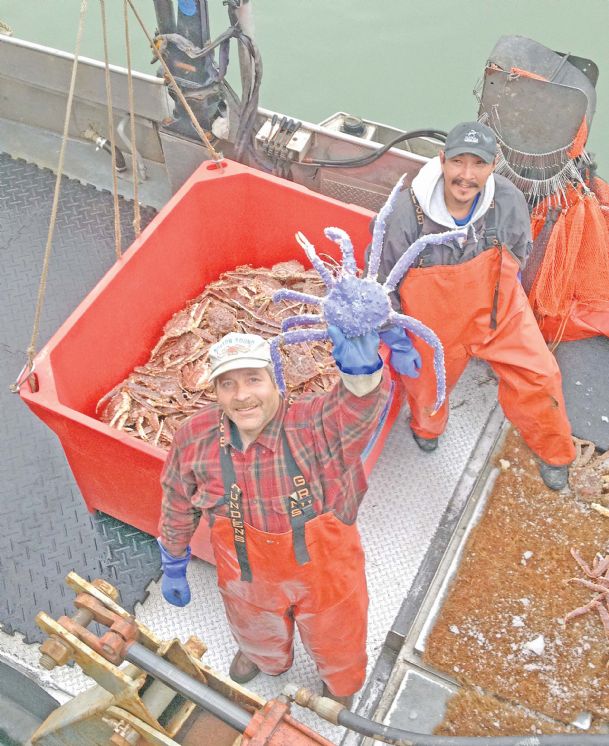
{"type": "Point", "coordinates": [232, 493]}
{"type": "Point", "coordinates": [418, 211]}
{"type": "Point", "coordinates": [490, 237]}
{"type": "Point", "coordinates": [300, 505]}
{"type": "Point", "coordinates": [420, 217]}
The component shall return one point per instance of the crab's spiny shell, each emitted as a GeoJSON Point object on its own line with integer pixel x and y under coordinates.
{"type": "Point", "coordinates": [356, 306]}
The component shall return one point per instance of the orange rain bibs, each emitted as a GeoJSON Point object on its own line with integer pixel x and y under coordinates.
{"type": "Point", "coordinates": [312, 576]}
{"type": "Point", "coordinates": [326, 598]}
{"type": "Point", "coordinates": [456, 302]}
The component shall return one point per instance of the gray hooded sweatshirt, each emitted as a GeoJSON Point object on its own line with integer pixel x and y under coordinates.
{"type": "Point", "coordinates": [511, 218]}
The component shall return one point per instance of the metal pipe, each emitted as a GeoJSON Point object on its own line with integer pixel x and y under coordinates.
{"type": "Point", "coordinates": [165, 16]}
{"type": "Point", "coordinates": [214, 702]}
{"type": "Point", "coordinates": [191, 22]}
{"type": "Point", "coordinates": [204, 15]}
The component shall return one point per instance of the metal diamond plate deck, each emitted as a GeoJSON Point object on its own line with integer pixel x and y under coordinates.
{"type": "Point", "coordinates": [46, 529]}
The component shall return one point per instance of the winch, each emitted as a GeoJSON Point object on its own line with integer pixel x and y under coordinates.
{"type": "Point", "coordinates": [152, 691]}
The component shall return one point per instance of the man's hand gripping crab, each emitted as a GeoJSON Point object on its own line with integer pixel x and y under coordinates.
{"type": "Point", "coordinates": [359, 305]}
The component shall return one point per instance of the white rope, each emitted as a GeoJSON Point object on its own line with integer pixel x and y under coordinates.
{"type": "Point", "coordinates": [137, 225]}
{"type": "Point", "coordinates": [117, 217]}
{"type": "Point", "coordinates": [31, 350]}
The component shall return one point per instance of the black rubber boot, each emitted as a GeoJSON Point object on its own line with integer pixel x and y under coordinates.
{"type": "Point", "coordinates": [345, 701]}
{"type": "Point", "coordinates": [242, 669]}
{"type": "Point", "coordinates": [425, 444]}
{"type": "Point", "coordinates": [554, 477]}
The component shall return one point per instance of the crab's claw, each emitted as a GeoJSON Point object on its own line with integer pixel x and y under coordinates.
{"type": "Point", "coordinates": [431, 338]}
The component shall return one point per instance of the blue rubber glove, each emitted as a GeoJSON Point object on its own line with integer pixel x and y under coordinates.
{"type": "Point", "coordinates": [174, 585]}
{"type": "Point", "coordinates": [404, 357]}
{"type": "Point", "coordinates": [356, 356]}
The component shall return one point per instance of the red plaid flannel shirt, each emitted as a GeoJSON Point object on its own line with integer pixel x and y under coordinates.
{"type": "Point", "coordinates": [327, 434]}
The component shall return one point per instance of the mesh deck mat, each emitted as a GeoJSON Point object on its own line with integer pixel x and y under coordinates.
{"type": "Point", "coordinates": [46, 528]}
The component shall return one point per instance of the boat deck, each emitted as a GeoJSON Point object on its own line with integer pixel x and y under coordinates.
{"type": "Point", "coordinates": [407, 519]}
{"type": "Point", "coordinates": [47, 529]}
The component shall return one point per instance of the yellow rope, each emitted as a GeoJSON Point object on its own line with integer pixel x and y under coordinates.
{"type": "Point", "coordinates": [117, 218]}
{"type": "Point", "coordinates": [137, 223]}
{"type": "Point", "coordinates": [31, 350]}
{"type": "Point", "coordinates": [204, 139]}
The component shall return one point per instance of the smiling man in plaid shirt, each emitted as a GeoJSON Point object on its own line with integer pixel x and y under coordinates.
{"type": "Point", "coordinates": [280, 484]}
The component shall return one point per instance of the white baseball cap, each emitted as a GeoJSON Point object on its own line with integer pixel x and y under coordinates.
{"type": "Point", "coordinates": [236, 351]}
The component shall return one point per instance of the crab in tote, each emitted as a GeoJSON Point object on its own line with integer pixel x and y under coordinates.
{"type": "Point", "coordinates": [358, 305]}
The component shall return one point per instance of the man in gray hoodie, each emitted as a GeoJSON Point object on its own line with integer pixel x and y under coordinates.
{"type": "Point", "coordinates": [471, 296]}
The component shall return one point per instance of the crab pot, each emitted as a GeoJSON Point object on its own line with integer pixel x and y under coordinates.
{"type": "Point", "coordinates": [220, 218]}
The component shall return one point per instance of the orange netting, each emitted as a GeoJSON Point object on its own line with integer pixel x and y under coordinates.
{"type": "Point", "coordinates": [601, 189]}
{"type": "Point", "coordinates": [575, 267]}
{"type": "Point", "coordinates": [579, 141]}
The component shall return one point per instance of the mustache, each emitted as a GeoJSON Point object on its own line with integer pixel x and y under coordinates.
{"type": "Point", "coordinates": [463, 182]}
{"type": "Point", "coordinates": [245, 405]}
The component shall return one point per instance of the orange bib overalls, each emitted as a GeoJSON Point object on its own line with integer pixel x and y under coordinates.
{"type": "Point", "coordinates": [312, 576]}
{"type": "Point", "coordinates": [479, 309]}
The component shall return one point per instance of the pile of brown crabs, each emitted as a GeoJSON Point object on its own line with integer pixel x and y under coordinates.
{"type": "Point", "coordinates": [157, 397]}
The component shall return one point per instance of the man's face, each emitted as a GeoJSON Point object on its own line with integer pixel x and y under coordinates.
{"type": "Point", "coordinates": [464, 176]}
{"type": "Point", "coordinates": [250, 398]}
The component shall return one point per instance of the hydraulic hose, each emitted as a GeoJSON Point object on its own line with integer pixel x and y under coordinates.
{"type": "Point", "coordinates": [335, 713]}
{"type": "Point", "coordinates": [250, 85]}
{"type": "Point", "coordinates": [214, 702]}
{"type": "Point", "coordinates": [104, 144]}
{"type": "Point", "coordinates": [366, 159]}
{"type": "Point", "coordinates": [121, 164]}
{"type": "Point", "coordinates": [400, 737]}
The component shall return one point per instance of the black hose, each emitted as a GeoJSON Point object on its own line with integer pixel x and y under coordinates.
{"type": "Point", "coordinates": [249, 109]}
{"type": "Point", "coordinates": [195, 691]}
{"type": "Point", "coordinates": [366, 159]}
{"type": "Point", "coordinates": [400, 737]}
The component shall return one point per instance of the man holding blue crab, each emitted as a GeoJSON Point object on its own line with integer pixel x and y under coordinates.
{"type": "Point", "coordinates": [280, 484]}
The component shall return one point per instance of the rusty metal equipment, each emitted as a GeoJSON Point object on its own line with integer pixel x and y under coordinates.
{"type": "Point", "coordinates": [151, 691]}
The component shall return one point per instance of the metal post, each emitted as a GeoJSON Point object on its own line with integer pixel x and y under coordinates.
{"type": "Point", "coordinates": [165, 16]}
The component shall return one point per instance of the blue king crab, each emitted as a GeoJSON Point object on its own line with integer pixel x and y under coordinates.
{"type": "Point", "coordinates": [358, 305]}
